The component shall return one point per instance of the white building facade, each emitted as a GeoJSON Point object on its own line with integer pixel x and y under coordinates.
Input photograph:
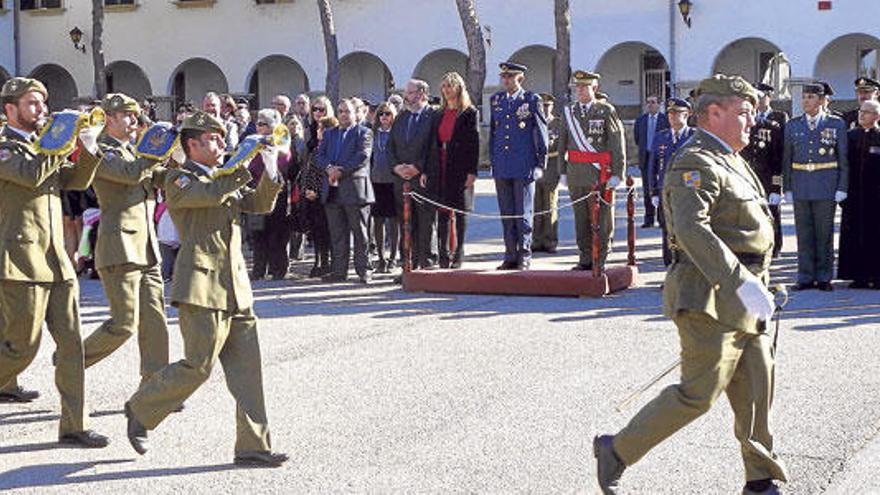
{"type": "Point", "coordinates": [175, 51]}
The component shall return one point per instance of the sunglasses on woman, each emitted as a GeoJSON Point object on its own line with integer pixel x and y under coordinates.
{"type": "Point", "coordinates": [384, 114]}
{"type": "Point", "coordinates": [319, 109]}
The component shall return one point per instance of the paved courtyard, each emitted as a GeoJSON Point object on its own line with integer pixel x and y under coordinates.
{"type": "Point", "coordinates": [370, 389]}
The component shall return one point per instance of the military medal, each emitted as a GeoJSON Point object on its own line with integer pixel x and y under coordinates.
{"type": "Point", "coordinates": [831, 152]}
{"type": "Point", "coordinates": [762, 144]}
{"type": "Point", "coordinates": [589, 140]}
{"type": "Point", "coordinates": [822, 151]}
{"type": "Point", "coordinates": [522, 125]}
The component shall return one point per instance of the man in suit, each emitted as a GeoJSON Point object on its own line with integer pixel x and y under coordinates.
{"type": "Point", "coordinates": [721, 234]}
{"type": "Point", "coordinates": [815, 175]}
{"type": "Point", "coordinates": [593, 150]}
{"type": "Point", "coordinates": [212, 292]}
{"type": "Point", "coordinates": [409, 147]}
{"type": "Point", "coordinates": [37, 280]}
{"type": "Point", "coordinates": [764, 154]}
{"type": "Point", "coordinates": [646, 128]}
{"type": "Point", "coordinates": [867, 89]}
{"type": "Point", "coordinates": [344, 155]}
{"type": "Point", "coordinates": [127, 252]}
{"type": "Point", "coordinates": [518, 152]}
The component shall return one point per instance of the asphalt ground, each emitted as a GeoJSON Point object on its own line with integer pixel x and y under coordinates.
{"type": "Point", "coordinates": [370, 389]}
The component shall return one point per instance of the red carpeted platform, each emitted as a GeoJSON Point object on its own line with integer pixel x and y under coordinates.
{"type": "Point", "coordinates": [522, 283]}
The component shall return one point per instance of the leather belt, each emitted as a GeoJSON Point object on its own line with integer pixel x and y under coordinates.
{"type": "Point", "coordinates": [812, 167]}
{"type": "Point", "coordinates": [744, 258]}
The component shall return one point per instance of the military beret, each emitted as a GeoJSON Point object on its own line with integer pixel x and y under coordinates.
{"type": "Point", "coordinates": [547, 98]}
{"type": "Point", "coordinates": [677, 105]}
{"type": "Point", "coordinates": [118, 102]}
{"type": "Point", "coordinates": [18, 86]}
{"type": "Point", "coordinates": [601, 96]}
{"type": "Point", "coordinates": [512, 68]}
{"type": "Point", "coordinates": [828, 89]}
{"type": "Point", "coordinates": [866, 83]}
{"type": "Point", "coordinates": [721, 85]}
{"type": "Point", "coordinates": [583, 77]}
{"type": "Point", "coordinates": [204, 122]}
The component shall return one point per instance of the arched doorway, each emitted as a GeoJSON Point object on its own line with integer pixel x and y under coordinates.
{"type": "Point", "coordinates": [436, 64]}
{"type": "Point", "coordinates": [60, 85]}
{"type": "Point", "coordinates": [631, 71]}
{"type": "Point", "coordinates": [364, 75]}
{"type": "Point", "coordinates": [126, 77]}
{"type": "Point", "coordinates": [756, 60]}
{"type": "Point", "coordinates": [195, 77]}
{"type": "Point", "coordinates": [845, 59]}
{"type": "Point", "coordinates": [276, 74]}
{"type": "Point", "coordinates": [541, 61]}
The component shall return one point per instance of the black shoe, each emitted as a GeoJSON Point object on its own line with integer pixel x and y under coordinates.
{"type": "Point", "coordinates": [609, 467]}
{"type": "Point", "coordinates": [508, 265]}
{"type": "Point", "coordinates": [648, 225]}
{"type": "Point", "coordinates": [455, 265]}
{"type": "Point", "coordinates": [524, 265]}
{"type": "Point", "coordinates": [767, 487]}
{"type": "Point", "coordinates": [382, 266]}
{"type": "Point", "coordinates": [315, 272]}
{"type": "Point", "coordinates": [334, 277]}
{"type": "Point", "coordinates": [87, 439]}
{"type": "Point", "coordinates": [390, 265]}
{"type": "Point", "coordinates": [550, 249]}
{"type": "Point", "coordinates": [18, 394]}
{"type": "Point", "coordinates": [538, 249]}
{"type": "Point", "coordinates": [825, 286]}
{"type": "Point", "coordinates": [179, 408]}
{"type": "Point", "coordinates": [137, 434]}
{"type": "Point", "coordinates": [278, 276]}
{"type": "Point", "coordinates": [804, 286]}
{"type": "Point", "coordinates": [255, 277]}
{"type": "Point", "coordinates": [260, 459]}
{"type": "Point", "coordinates": [444, 264]}
{"type": "Point", "coordinates": [582, 267]}
{"type": "Point", "coordinates": [365, 278]}
{"type": "Point", "coordinates": [860, 284]}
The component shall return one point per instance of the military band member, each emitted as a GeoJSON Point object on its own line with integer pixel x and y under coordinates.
{"type": "Point", "coordinates": [592, 148]}
{"type": "Point", "coordinates": [721, 233]}
{"type": "Point", "coordinates": [37, 279]}
{"type": "Point", "coordinates": [867, 89]}
{"type": "Point", "coordinates": [764, 154]}
{"type": "Point", "coordinates": [665, 144]}
{"type": "Point", "coordinates": [518, 152]}
{"type": "Point", "coordinates": [546, 227]}
{"type": "Point", "coordinates": [815, 177]}
{"type": "Point", "coordinates": [127, 252]}
{"type": "Point", "coordinates": [212, 292]}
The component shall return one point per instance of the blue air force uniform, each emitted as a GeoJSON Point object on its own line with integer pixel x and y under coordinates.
{"type": "Point", "coordinates": [517, 146]}
{"type": "Point", "coordinates": [815, 168]}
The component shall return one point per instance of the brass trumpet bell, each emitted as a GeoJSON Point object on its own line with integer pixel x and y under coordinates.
{"type": "Point", "coordinates": [280, 136]}
{"type": "Point", "coordinates": [94, 118]}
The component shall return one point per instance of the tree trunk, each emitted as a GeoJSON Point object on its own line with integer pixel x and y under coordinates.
{"type": "Point", "coordinates": [98, 48]}
{"type": "Point", "coordinates": [473, 33]}
{"type": "Point", "coordinates": [331, 85]}
{"type": "Point", "coordinates": [562, 65]}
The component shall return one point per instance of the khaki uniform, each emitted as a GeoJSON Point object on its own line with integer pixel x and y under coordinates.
{"type": "Point", "coordinates": [213, 294]}
{"type": "Point", "coordinates": [604, 132]}
{"type": "Point", "coordinates": [37, 280]}
{"type": "Point", "coordinates": [127, 258]}
{"type": "Point", "coordinates": [545, 232]}
{"type": "Point", "coordinates": [720, 227]}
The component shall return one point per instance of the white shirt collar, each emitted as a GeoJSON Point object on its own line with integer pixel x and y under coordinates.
{"type": "Point", "coordinates": [26, 135]}
{"type": "Point", "coordinates": [517, 94]}
{"type": "Point", "coordinates": [586, 106]}
{"type": "Point", "coordinates": [208, 170]}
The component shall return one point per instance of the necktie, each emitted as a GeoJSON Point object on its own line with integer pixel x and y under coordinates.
{"type": "Point", "coordinates": [410, 123]}
{"type": "Point", "coordinates": [652, 127]}
{"type": "Point", "coordinates": [812, 123]}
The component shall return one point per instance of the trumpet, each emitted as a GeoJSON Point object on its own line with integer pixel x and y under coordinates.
{"type": "Point", "coordinates": [280, 137]}
{"type": "Point", "coordinates": [96, 117]}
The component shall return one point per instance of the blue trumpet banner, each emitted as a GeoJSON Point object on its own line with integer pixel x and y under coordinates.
{"type": "Point", "coordinates": [158, 142]}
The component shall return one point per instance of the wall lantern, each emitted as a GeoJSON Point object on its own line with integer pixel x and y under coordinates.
{"type": "Point", "coordinates": [76, 37]}
{"type": "Point", "coordinates": [684, 6]}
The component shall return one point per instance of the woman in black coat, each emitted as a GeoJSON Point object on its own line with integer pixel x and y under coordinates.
{"type": "Point", "coordinates": [452, 168]}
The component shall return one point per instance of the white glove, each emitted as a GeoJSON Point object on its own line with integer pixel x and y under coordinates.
{"type": "Point", "coordinates": [655, 200]}
{"type": "Point", "coordinates": [178, 155]}
{"type": "Point", "coordinates": [774, 199]}
{"type": "Point", "coordinates": [270, 161]}
{"type": "Point", "coordinates": [89, 138]}
{"type": "Point", "coordinates": [563, 180]}
{"type": "Point", "coordinates": [839, 196]}
{"type": "Point", "coordinates": [789, 198]}
{"type": "Point", "coordinates": [613, 182]}
{"type": "Point", "coordinates": [756, 298]}
{"type": "Point", "coordinates": [538, 173]}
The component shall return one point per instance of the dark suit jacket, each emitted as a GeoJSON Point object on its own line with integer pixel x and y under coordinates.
{"type": "Point", "coordinates": [353, 155]}
{"type": "Point", "coordinates": [417, 148]}
{"type": "Point", "coordinates": [640, 133]}
{"type": "Point", "coordinates": [463, 154]}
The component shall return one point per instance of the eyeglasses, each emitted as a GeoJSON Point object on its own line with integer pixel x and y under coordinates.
{"type": "Point", "coordinates": [319, 109]}
{"type": "Point", "coordinates": [262, 123]}
{"type": "Point", "coordinates": [385, 114]}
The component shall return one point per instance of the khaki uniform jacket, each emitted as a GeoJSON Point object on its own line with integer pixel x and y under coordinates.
{"type": "Point", "coordinates": [604, 132]}
{"type": "Point", "coordinates": [719, 226]}
{"type": "Point", "coordinates": [31, 230]}
{"type": "Point", "coordinates": [124, 185]}
{"type": "Point", "coordinates": [210, 269]}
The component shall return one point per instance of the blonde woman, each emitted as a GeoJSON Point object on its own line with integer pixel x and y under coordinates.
{"type": "Point", "coordinates": [452, 166]}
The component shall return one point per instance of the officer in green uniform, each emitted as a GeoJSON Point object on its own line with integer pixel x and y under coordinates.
{"type": "Point", "coordinates": [545, 232]}
{"type": "Point", "coordinates": [127, 253]}
{"type": "Point", "coordinates": [37, 280]}
{"type": "Point", "coordinates": [592, 151]}
{"type": "Point", "coordinates": [212, 292]}
{"type": "Point", "coordinates": [721, 233]}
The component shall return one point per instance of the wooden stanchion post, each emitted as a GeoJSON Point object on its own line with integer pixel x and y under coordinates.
{"type": "Point", "coordinates": [594, 227]}
{"type": "Point", "coordinates": [407, 228]}
{"type": "Point", "coordinates": [630, 222]}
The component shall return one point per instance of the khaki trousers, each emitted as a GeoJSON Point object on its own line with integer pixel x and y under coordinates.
{"type": "Point", "coordinates": [715, 359]}
{"type": "Point", "coordinates": [545, 231]}
{"type": "Point", "coordinates": [583, 222]}
{"type": "Point", "coordinates": [209, 334]}
{"type": "Point", "coordinates": [137, 304]}
{"type": "Point", "coordinates": [23, 308]}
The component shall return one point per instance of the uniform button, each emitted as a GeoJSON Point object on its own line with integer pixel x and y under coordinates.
{"type": "Point", "coordinates": [506, 137]}
{"type": "Point", "coordinates": [19, 236]}
{"type": "Point", "coordinates": [507, 147]}
{"type": "Point", "coordinates": [507, 127]}
{"type": "Point", "coordinates": [717, 287]}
